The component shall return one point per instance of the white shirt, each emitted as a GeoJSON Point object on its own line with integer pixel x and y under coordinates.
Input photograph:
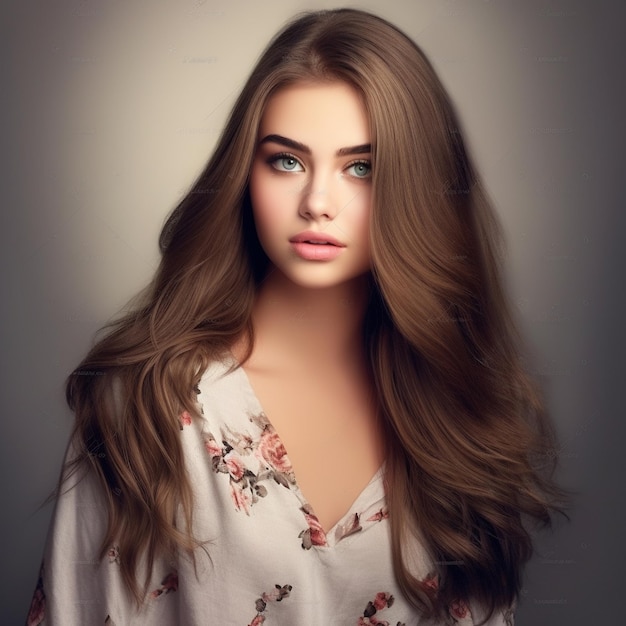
{"type": "Point", "coordinates": [269, 561]}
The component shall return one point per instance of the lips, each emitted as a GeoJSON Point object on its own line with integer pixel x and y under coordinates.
{"type": "Point", "coordinates": [320, 239]}
{"type": "Point", "coordinates": [312, 246]}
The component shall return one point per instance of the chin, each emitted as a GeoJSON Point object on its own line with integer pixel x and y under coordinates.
{"type": "Point", "coordinates": [323, 280]}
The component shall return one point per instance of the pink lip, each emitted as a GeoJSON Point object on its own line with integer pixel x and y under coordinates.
{"type": "Point", "coordinates": [309, 235]}
{"type": "Point", "coordinates": [316, 251]}
{"type": "Point", "coordinates": [327, 249]}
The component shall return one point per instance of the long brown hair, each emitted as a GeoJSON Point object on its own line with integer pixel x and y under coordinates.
{"type": "Point", "coordinates": [470, 451]}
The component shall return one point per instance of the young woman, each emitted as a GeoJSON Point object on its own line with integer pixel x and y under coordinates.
{"type": "Point", "coordinates": [316, 413]}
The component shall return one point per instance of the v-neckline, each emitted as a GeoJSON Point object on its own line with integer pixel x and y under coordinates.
{"type": "Point", "coordinates": [297, 491]}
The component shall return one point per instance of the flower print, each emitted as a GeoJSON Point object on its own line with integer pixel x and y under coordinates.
{"type": "Point", "coordinates": [430, 584]}
{"type": "Point", "coordinates": [212, 447]}
{"type": "Point", "coordinates": [379, 516]}
{"type": "Point", "coordinates": [278, 594]}
{"type": "Point", "coordinates": [248, 461]}
{"type": "Point", "coordinates": [242, 443]}
{"type": "Point", "coordinates": [37, 610]}
{"type": "Point", "coordinates": [382, 601]}
{"type": "Point", "coordinates": [241, 496]}
{"type": "Point", "coordinates": [114, 555]}
{"type": "Point", "coordinates": [235, 466]}
{"type": "Point", "coordinates": [185, 419]}
{"type": "Point", "coordinates": [259, 490]}
{"type": "Point", "coordinates": [259, 420]}
{"type": "Point", "coordinates": [273, 452]}
{"type": "Point", "coordinates": [459, 609]}
{"type": "Point", "coordinates": [349, 528]}
{"type": "Point", "coordinates": [314, 535]}
{"type": "Point", "coordinates": [168, 584]}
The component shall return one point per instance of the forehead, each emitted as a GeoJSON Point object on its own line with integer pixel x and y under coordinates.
{"type": "Point", "coordinates": [317, 113]}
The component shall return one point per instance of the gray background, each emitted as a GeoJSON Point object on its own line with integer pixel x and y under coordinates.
{"type": "Point", "coordinates": [113, 108]}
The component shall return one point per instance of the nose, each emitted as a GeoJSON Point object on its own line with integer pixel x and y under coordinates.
{"type": "Point", "coordinates": [317, 201]}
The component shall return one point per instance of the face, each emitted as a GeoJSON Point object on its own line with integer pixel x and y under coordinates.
{"type": "Point", "coordinates": [310, 184]}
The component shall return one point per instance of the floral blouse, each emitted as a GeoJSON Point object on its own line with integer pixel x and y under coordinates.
{"type": "Point", "coordinates": [268, 560]}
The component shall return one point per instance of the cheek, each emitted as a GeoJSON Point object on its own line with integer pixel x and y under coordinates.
{"type": "Point", "coordinates": [268, 204]}
{"type": "Point", "coordinates": [364, 232]}
{"type": "Point", "coordinates": [260, 200]}
{"type": "Point", "coordinates": [363, 218]}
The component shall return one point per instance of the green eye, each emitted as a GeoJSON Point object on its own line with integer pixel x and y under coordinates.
{"type": "Point", "coordinates": [288, 163]}
{"type": "Point", "coordinates": [285, 163]}
{"type": "Point", "coordinates": [361, 169]}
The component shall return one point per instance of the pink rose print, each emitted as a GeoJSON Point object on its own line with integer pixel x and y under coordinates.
{"type": "Point", "coordinates": [459, 609]}
{"type": "Point", "coordinates": [185, 419]}
{"type": "Point", "coordinates": [235, 466]}
{"type": "Point", "coordinates": [381, 602]}
{"type": "Point", "coordinates": [273, 451]}
{"type": "Point", "coordinates": [259, 619]}
{"type": "Point", "coordinates": [212, 447]}
{"type": "Point", "coordinates": [242, 499]}
{"type": "Point", "coordinates": [249, 461]}
{"type": "Point", "coordinates": [114, 555]}
{"type": "Point", "coordinates": [314, 535]}
{"type": "Point", "coordinates": [168, 584]}
{"type": "Point", "coordinates": [430, 584]}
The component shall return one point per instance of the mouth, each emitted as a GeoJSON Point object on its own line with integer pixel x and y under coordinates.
{"type": "Point", "coordinates": [316, 239]}
{"type": "Point", "coordinates": [315, 248]}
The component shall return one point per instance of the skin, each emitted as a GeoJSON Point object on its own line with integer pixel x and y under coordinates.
{"type": "Point", "coordinates": [308, 366]}
{"type": "Point", "coordinates": [319, 191]}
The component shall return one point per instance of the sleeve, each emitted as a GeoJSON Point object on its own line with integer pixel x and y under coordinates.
{"type": "Point", "coordinates": [75, 586]}
{"type": "Point", "coordinates": [460, 613]}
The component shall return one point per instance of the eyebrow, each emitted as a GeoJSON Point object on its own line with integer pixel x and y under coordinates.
{"type": "Point", "coordinates": [296, 145]}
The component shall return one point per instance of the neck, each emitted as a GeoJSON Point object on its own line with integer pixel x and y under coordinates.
{"type": "Point", "coordinates": [300, 326]}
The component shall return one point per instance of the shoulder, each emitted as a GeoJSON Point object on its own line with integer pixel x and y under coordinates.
{"type": "Point", "coordinates": [223, 389]}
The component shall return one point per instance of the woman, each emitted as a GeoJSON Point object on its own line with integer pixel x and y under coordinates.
{"type": "Point", "coordinates": [328, 288]}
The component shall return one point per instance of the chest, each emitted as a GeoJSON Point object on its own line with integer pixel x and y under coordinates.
{"type": "Point", "coordinates": [329, 427]}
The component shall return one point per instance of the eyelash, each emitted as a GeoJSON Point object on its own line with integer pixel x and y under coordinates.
{"type": "Point", "coordinates": [282, 155]}
{"type": "Point", "coordinates": [361, 162]}
{"type": "Point", "coordinates": [286, 155]}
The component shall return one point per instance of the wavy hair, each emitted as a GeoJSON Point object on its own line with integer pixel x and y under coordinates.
{"type": "Point", "coordinates": [470, 451]}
